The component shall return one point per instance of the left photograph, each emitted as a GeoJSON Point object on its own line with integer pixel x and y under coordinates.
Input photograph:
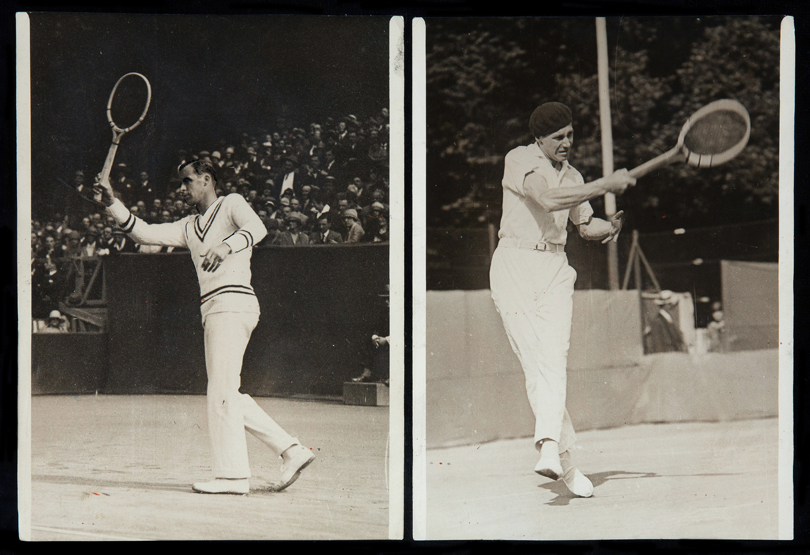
{"type": "Point", "coordinates": [208, 206]}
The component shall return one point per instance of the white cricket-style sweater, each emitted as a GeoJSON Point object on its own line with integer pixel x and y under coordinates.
{"type": "Point", "coordinates": [230, 220]}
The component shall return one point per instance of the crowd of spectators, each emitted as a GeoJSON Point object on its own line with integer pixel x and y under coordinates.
{"type": "Point", "coordinates": [325, 184]}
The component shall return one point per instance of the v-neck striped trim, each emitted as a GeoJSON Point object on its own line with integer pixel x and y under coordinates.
{"type": "Point", "coordinates": [201, 231]}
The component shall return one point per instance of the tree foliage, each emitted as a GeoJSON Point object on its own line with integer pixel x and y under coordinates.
{"type": "Point", "coordinates": [484, 78]}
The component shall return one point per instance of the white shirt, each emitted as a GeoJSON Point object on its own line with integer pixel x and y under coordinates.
{"type": "Point", "coordinates": [229, 220]}
{"type": "Point", "coordinates": [522, 217]}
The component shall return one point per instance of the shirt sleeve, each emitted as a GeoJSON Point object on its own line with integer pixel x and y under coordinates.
{"type": "Point", "coordinates": [517, 165]}
{"type": "Point", "coordinates": [582, 213]}
{"type": "Point", "coordinates": [169, 234]}
{"type": "Point", "coordinates": [251, 229]}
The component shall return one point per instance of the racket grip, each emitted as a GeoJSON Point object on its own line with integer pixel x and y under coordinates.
{"type": "Point", "coordinates": [105, 171]}
{"type": "Point", "coordinates": [655, 163]}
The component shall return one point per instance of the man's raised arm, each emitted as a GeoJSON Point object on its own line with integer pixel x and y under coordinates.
{"type": "Point", "coordinates": [170, 235]}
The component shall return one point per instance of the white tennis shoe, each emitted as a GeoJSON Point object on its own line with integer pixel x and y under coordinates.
{"type": "Point", "coordinates": [295, 459]}
{"type": "Point", "coordinates": [549, 463]}
{"type": "Point", "coordinates": [223, 485]}
{"type": "Point", "coordinates": [576, 482]}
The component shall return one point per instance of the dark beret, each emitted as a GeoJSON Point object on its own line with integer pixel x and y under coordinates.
{"type": "Point", "coordinates": [548, 118]}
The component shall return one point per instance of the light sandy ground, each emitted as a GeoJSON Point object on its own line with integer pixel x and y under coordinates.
{"type": "Point", "coordinates": [694, 480]}
{"type": "Point", "coordinates": [121, 467]}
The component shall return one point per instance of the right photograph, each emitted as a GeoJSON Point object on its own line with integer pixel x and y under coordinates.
{"type": "Point", "coordinates": [603, 253]}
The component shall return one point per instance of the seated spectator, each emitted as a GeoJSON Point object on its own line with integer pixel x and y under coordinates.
{"type": "Point", "coordinates": [49, 248]}
{"type": "Point", "coordinates": [293, 236]}
{"type": "Point", "coordinates": [72, 245]}
{"type": "Point", "coordinates": [106, 242]}
{"type": "Point", "coordinates": [122, 243]}
{"type": "Point", "coordinates": [56, 323]}
{"type": "Point", "coordinates": [354, 231]}
{"type": "Point", "coordinates": [377, 224]}
{"type": "Point", "coordinates": [325, 235]}
{"type": "Point", "coordinates": [89, 243]}
{"type": "Point", "coordinates": [377, 195]}
{"type": "Point", "coordinates": [343, 202]}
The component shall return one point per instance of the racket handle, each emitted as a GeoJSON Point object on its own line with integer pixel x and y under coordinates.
{"type": "Point", "coordinates": [105, 171]}
{"type": "Point", "coordinates": [655, 163]}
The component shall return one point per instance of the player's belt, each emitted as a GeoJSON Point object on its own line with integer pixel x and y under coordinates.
{"type": "Point", "coordinates": [514, 243]}
{"type": "Point", "coordinates": [227, 289]}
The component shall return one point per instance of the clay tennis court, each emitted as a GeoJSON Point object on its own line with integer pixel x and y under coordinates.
{"type": "Point", "coordinates": [120, 467]}
{"type": "Point", "coordinates": [663, 481]}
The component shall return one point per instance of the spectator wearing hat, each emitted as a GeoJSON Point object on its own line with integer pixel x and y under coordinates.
{"type": "Point", "coordinates": [121, 243]}
{"type": "Point", "coordinates": [272, 206]}
{"type": "Point", "coordinates": [89, 243]}
{"type": "Point", "coordinates": [377, 224]}
{"type": "Point", "coordinates": [325, 235]}
{"type": "Point", "coordinates": [56, 323]}
{"type": "Point", "coordinates": [293, 236]}
{"type": "Point", "coordinates": [273, 227]}
{"type": "Point", "coordinates": [71, 245]}
{"type": "Point", "coordinates": [216, 160]}
{"type": "Point", "coordinates": [354, 231]}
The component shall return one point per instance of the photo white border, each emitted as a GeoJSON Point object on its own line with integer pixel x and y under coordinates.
{"type": "Point", "coordinates": [787, 109]}
{"type": "Point", "coordinates": [23, 39]}
{"type": "Point", "coordinates": [396, 152]}
{"type": "Point", "coordinates": [419, 284]}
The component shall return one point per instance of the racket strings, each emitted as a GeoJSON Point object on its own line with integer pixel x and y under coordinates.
{"type": "Point", "coordinates": [716, 132]}
{"type": "Point", "coordinates": [129, 101]}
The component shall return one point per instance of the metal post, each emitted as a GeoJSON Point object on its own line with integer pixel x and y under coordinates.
{"type": "Point", "coordinates": [607, 142]}
{"type": "Point", "coordinates": [637, 262]}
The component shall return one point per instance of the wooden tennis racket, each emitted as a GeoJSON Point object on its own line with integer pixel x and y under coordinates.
{"type": "Point", "coordinates": [124, 105]}
{"type": "Point", "coordinates": [711, 136]}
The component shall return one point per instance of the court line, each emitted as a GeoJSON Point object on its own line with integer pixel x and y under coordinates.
{"type": "Point", "coordinates": [81, 533]}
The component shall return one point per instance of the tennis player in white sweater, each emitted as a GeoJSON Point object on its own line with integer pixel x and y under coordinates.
{"type": "Point", "coordinates": [221, 238]}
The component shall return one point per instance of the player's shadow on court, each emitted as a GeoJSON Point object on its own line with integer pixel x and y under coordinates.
{"type": "Point", "coordinates": [564, 496]}
{"type": "Point", "coordinates": [85, 481]}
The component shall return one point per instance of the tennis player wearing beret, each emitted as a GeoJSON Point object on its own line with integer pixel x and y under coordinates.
{"type": "Point", "coordinates": [533, 285]}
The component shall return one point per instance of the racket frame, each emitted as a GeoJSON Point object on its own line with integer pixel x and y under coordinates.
{"type": "Point", "coordinates": [693, 158]}
{"type": "Point", "coordinates": [118, 132]}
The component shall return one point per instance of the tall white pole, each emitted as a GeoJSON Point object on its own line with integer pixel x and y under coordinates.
{"type": "Point", "coordinates": [607, 142]}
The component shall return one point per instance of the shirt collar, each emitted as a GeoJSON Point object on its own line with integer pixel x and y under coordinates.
{"type": "Point", "coordinates": [536, 150]}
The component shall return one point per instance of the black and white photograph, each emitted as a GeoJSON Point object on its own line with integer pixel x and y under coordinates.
{"type": "Point", "coordinates": [607, 220]}
{"type": "Point", "coordinates": [210, 250]}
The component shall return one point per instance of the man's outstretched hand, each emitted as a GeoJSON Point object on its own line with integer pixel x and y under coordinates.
{"type": "Point", "coordinates": [615, 227]}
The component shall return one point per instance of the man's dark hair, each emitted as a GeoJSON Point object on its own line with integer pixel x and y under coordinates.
{"type": "Point", "coordinates": [200, 167]}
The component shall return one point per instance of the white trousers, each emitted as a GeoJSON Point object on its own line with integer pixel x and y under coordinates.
{"type": "Point", "coordinates": [230, 413]}
{"type": "Point", "coordinates": [534, 294]}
